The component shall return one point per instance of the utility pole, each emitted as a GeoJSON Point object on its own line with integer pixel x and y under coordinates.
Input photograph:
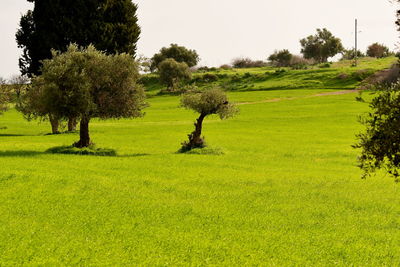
{"type": "Point", "coordinates": [355, 46]}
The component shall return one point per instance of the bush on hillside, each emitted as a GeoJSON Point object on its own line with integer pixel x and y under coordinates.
{"type": "Point", "coordinates": [281, 58]}
{"type": "Point", "coordinates": [299, 62]}
{"type": "Point", "coordinates": [174, 74]}
{"type": "Point", "coordinates": [349, 54]}
{"type": "Point", "coordinates": [225, 67]}
{"type": "Point", "coordinates": [241, 63]}
{"type": "Point", "coordinates": [378, 51]}
{"type": "Point", "coordinates": [179, 53]}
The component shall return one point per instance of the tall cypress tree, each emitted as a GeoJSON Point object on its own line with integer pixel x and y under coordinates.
{"type": "Point", "coordinates": [110, 25]}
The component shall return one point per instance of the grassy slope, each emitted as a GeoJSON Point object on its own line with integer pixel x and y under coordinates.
{"type": "Point", "coordinates": [286, 192]}
{"type": "Point", "coordinates": [339, 76]}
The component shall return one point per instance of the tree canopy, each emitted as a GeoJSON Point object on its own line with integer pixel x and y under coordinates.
{"type": "Point", "coordinates": [85, 84]}
{"type": "Point", "coordinates": [321, 46]}
{"type": "Point", "coordinates": [179, 53]}
{"type": "Point", "coordinates": [380, 143]}
{"type": "Point", "coordinates": [173, 73]}
{"type": "Point", "coordinates": [109, 25]}
{"type": "Point", "coordinates": [281, 58]}
{"type": "Point", "coordinates": [378, 50]}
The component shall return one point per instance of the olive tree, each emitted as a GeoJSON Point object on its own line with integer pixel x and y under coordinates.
{"type": "Point", "coordinates": [179, 53]}
{"type": "Point", "coordinates": [281, 58]}
{"type": "Point", "coordinates": [173, 73]}
{"type": "Point", "coordinates": [207, 102]}
{"type": "Point", "coordinates": [380, 143]}
{"type": "Point", "coordinates": [86, 84]}
{"type": "Point", "coordinates": [321, 46]}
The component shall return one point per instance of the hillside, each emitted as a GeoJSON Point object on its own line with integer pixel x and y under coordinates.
{"type": "Point", "coordinates": [340, 75]}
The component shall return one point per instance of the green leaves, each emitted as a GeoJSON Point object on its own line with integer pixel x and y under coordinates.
{"type": "Point", "coordinates": [209, 101]}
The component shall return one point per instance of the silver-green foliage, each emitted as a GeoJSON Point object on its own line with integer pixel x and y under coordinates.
{"type": "Point", "coordinates": [173, 73]}
{"type": "Point", "coordinates": [210, 101]}
{"type": "Point", "coordinates": [85, 82]}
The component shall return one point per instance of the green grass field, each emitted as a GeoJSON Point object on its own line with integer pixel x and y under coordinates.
{"type": "Point", "coordinates": [285, 192]}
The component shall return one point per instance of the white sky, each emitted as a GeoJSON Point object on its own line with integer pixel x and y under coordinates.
{"type": "Point", "coordinates": [221, 30]}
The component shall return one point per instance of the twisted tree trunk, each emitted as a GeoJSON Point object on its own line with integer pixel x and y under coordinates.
{"type": "Point", "coordinates": [84, 140]}
{"type": "Point", "coordinates": [195, 139]}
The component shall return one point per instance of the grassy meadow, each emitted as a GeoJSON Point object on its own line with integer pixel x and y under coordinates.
{"type": "Point", "coordinates": [286, 191]}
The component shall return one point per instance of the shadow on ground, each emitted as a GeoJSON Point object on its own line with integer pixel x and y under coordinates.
{"type": "Point", "coordinates": [20, 153]}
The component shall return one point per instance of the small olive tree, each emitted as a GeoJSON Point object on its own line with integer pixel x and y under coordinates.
{"type": "Point", "coordinates": [281, 58]}
{"type": "Point", "coordinates": [172, 73]}
{"type": "Point", "coordinates": [207, 102]}
{"type": "Point", "coordinates": [179, 53]}
{"type": "Point", "coordinates": [86, 84]}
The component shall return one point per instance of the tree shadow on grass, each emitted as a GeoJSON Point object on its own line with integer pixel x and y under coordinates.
{"type": "Point", "coordinates": [20, 153]}
{"type": "Point", "coordinates": [135, 155]}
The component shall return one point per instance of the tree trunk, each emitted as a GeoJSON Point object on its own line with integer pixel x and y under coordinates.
{"type": "Point", "coordinates": [54, 124]}
{"type": "Point", "coordinates": [195, 139]}
{"type": "Point", "coordinates": [84, 134]}
{"type": "Point", "coordinates": [72, 124]}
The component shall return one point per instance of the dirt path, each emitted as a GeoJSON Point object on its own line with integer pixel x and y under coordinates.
{"type": "Point", "coordinates": [342, 92]}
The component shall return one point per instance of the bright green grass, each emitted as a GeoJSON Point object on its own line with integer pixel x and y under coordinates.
{"type": "Point", "coordinates": [340, 75]}
{"type": "Point", "coordinates": [285, 192]}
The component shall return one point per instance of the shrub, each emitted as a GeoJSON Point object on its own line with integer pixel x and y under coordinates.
{"type": "Point", "coordinates": [209, 77]}
{"type": "Point", "coordinates": [206, 69]}
{"type": "Point", "coordinates": [299, 62]}
{"type": "Point", "coordinates": [247, 63]}
{"type": "Point", "coordinates": [173, 73]}
{"type": "Point", "coordinates": [225, 67]}
{"type": "Point", "coordinates": [378, 50]}
{"type": "Point", "coordinates": [325, 65]}
{"type": "Point", "coordinates": [349, 54]}
{"type": "Point", "coordinates": [281, 58]}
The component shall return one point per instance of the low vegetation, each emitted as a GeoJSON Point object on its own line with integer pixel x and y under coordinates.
{"type": "Point", "coordinates": [340, 75]}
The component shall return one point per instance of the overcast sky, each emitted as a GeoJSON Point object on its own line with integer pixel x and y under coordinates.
{"type": "Point", "coordinates": [221, 30]}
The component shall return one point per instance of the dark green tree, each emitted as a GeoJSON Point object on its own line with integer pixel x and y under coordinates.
{"type": "Point", "coordinates": [378, 50]}
{"type": "Point", "coordinates": [173, 73]}
{"type": "Point", "coordinates": [85, 84]}
{"type": "Point", "coordinates": [321, 46]}
{"type": "Point", "coordinates": [109, 25]}
{"type": "Point", "coordinates": [207, 102]}
{"type": "Point", "coordinates": [179, 53]}
{"type": "Point", "coordinates": [281, 58]}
